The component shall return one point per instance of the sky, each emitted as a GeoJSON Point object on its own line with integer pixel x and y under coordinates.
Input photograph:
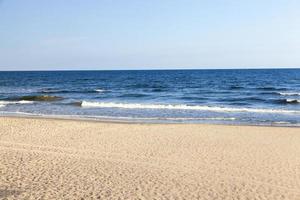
{"type": "Point", "coordinates": [155, 34]}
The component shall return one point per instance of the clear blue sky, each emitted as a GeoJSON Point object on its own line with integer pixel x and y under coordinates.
{"type": "Point", "coordinates": [139, 34]}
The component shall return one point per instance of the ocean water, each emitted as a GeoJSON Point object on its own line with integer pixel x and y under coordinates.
{"type": "Point", "coordinates": [259, 97]}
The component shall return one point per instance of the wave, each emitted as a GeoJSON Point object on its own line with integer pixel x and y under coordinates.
{"type": "Point", "coordinates": [133, 95]}
{"type": "Point", "coordinates": [292, 100]}
{"type": "Point", "coordinates": [164, 118]}
{"type": "Point", "coordinates": [236, 87]}
{"type": "Point", "coordinates": [269, 93]}
{"type": "Point", "coordinates": [55, 91]}
{"type": "Point", "coordinates": [19, 113]}
{"type": "Point", "coordinates": [87, 104]}
{"type": "Point", "coordinates": [58, 91]}
{"type": "Point", "coordinates": [104, 117]}
{"type": "Point", "coordinates": [242, 99]}
{"type": "Point", "coordinates": [4, 103]}
{"type": "Point", "coordinates": [286, 101]}
{"type": "Point", "coordinates": [270, 88]}
{"type": "Point", "coordinates": [282, 122]}
{"type": "Point", "coordinates": [100, 90]}
{"type": "Point", "coordinates": [158, 90]}
{"type": "Point", "coordinates": [193, 98]}
{"type": "Point", "coordinates": [289, 93]}
{"type": "Point", "coordinates": [40, 98]}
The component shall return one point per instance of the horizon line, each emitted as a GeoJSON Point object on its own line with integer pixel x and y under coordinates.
{"type": "Point", "coordinates": [148, 69]}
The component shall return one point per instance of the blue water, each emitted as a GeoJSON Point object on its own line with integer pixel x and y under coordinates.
{"type": "Point", "coordinates": [260, 97]}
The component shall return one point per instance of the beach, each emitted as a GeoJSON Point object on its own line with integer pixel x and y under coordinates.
{"type": "Point", "coordinates": [76, 159]}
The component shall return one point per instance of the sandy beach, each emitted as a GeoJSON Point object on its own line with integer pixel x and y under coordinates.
{"type": "Point", "coordinates": [68, 159]}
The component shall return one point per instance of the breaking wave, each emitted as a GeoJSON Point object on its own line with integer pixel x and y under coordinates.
{"type": "Point", "coordinates": [289, 93]}
{"type": "Point", "coordinates": [87, 104]}
{"type": "Point", "coordinates": [100, 90]}
{"type": "Point", "coordinates": [292, 100]}
{"type": "Point", "coordinates": [4, 103]}
{"type": "Point", "coordinates": [287, 101]}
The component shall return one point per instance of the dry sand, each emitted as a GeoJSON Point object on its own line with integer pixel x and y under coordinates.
{"type": "Point", "coordinates": [65, 159]}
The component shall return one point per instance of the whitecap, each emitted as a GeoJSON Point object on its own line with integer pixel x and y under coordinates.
{"type": "Point", "coordinates": [289, 93]}
{"type": "Point", "coordinates": [292, 100]}
{"type": "Point", "coordinates": [100, 90]}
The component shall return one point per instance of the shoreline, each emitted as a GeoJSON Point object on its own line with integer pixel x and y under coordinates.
{"type": "Point", "coordinates": [140, 121]}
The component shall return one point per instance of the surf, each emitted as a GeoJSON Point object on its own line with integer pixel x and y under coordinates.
{"type": "Point", "coordinates": [89, 104]}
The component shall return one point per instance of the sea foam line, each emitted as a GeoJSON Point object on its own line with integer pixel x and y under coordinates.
{"type": "Point", "coordinates": [86, 104]}
{"type": "Point", "coordinates": [100, 117]}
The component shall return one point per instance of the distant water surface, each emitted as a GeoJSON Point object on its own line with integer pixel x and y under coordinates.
{"type": "Point", "coordinates": [260, 97]}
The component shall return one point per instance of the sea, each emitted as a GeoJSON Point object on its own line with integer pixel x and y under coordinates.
{"type": "Point", "coordinates": [231, 96]}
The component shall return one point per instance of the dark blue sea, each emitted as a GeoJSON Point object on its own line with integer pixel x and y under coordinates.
{"type": "Point", "coordinates": [255, 97]}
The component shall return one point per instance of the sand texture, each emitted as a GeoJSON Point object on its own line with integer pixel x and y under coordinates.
{"type": "Point", "coordinates": [65, 159]}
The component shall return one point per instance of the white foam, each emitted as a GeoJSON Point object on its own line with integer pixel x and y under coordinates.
{"type": "Point", "coordinates": [4, 103]}
{"type": "Point", "coordinates": [282, 122]}
{"type": "Point", "coordinates": [289, 93]}
{"type": "Point", "coordinates": [100, 90]}
{"type": "Point", "coordinates": [161, 118]}
{"type": "Point", "coordinates": [99, 117]}
{"type": "Point", "coordinates": [293, 100]}
{"type": "Point", "coordinates": [87, 104]}
{"type": "Point", "coordinates": [25, 102]}
{"type": "Point", "coordinates": [19, 113]}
